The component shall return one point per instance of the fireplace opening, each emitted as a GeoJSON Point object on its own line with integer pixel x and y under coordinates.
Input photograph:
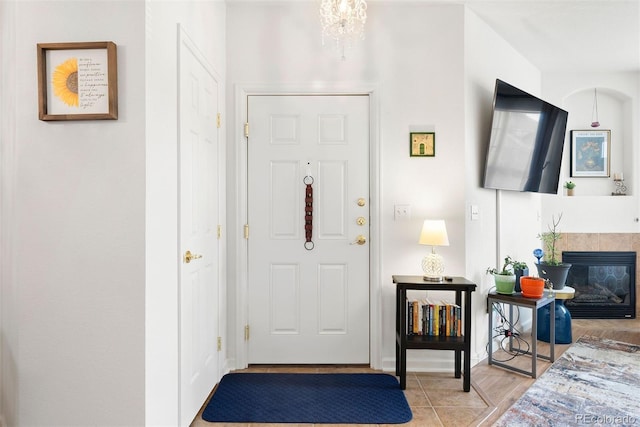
{"type": "Point", "coordinates": [605, 284]}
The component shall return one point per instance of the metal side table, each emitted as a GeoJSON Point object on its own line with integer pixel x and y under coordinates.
{"type": "Point", "coordinates": [534, 304]}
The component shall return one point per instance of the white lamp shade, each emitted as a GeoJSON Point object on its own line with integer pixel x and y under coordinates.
{"type": "Point", "coordinates": [434, 233]}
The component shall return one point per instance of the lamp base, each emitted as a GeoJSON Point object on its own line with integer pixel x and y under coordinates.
{"type": "Point", "coordinates": [433, 267]}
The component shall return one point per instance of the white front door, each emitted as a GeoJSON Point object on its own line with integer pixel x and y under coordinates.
{"type": "Point", "coordinates": [198, 223]}
{"type": "Point", "coordinates": [308, 301]}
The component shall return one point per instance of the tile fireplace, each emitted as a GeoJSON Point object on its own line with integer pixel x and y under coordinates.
{"type": "Point", "coordinates": [605, 284]}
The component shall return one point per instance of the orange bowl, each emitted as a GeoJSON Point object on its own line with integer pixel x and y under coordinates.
{"type": "Point", "coordinates": [532, 287]}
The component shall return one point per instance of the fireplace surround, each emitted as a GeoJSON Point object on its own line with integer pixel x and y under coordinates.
{"type": "Point", "coordinates": [605, 284]}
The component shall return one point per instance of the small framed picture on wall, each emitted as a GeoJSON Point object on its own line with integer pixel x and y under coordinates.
{"type": "Point", "coordinates": [422, 144]}
{"type": "Point", "coordinates": [77, 81]}
{"type": "Point", "coordinates": [590, 153]}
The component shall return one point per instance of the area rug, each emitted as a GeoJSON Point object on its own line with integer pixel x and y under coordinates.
{"type": "Point", "coordinates": [308, 398]}
{"type": "Point", "coordinates": [596, 381]}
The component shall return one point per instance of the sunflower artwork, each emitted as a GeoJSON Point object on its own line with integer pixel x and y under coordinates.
{"type": "Point", "coordinates": [77, 81]}
{"type": "Point", "coordinates": [65, 82]}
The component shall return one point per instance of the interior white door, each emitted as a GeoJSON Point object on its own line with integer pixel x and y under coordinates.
{"type": "Point", "coordinates": [308, 305]}
{"type": "Point", "coordinates": [198, 223]}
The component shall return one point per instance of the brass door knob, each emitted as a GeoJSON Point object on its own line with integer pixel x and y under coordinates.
{"type": "Point", "coordinates": [188, 257]}
{"type": "Point", "coordinates": [360, 240]}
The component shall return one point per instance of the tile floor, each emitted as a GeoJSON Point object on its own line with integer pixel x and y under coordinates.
{"type": "Point", "coordinates": [436, 399]}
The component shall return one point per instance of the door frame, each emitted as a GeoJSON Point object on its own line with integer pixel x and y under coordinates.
{"type": "Point", "coordinates": [242, 91]}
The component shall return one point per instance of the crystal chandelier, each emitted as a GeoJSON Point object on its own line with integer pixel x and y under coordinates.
{"type": "Point", "coordinates": [343, 21]}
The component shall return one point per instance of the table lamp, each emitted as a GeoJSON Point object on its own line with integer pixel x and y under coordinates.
{"type": "Point", "coordinates": [434, 233]}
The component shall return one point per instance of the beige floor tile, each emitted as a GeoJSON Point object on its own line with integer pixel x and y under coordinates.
{"type": "Point", "coordinates": [416, 398]}
{"type": "Point", "coordinates": [422, 417]}
{"type": "Point", "coordinates": [455, 398]}
{"type": "Point", "coordinates": [458, 417]}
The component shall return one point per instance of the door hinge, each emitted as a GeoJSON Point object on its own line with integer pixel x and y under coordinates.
{"type": "Point", "coordinates": [219, 232]}
{"type": "Point", "coordinates": [219, 343]}
{"type": "Point", "coordinates": [219, 120]}
{"type": "Point", "coordinates": [246, 333]}
{"type": "Point", "coordinates": [246, 231]}
{"type": "Point", "coordinates": [246, 130]}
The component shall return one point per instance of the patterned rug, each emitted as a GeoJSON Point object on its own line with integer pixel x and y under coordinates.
{"type": "Point", "coordinates": [596, 381]}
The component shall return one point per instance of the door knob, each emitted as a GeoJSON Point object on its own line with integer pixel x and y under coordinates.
{"type": "Point", "coordinates": [360, 240]}
{"type": "Point", "coordinates": [188, 257]}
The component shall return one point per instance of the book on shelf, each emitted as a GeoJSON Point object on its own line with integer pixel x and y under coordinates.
{"type": "Point", "coordinates": [425, 317]}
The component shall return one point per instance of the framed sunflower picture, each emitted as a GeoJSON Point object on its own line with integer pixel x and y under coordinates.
{"type": "Point", "coordinates": [77, 81]}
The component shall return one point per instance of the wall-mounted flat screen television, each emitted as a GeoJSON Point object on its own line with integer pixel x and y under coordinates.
{"type": "Point", "coordinates": [526, 142]}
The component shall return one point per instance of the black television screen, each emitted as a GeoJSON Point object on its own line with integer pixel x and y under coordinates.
{"type": "Point", "coordinates": [526, 143]}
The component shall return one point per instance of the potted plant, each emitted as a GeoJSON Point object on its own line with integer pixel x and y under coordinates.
{"type": "Point", "coordinates": [569, 185]}
{"type": "Point", "coordinates": [532, 287]}
{"type": "Point", "coordinates": [520, 269]}
{"type": "Point", "coordinates": [551, 267]}
{"type": "Point", "coordinates": [505, 279]}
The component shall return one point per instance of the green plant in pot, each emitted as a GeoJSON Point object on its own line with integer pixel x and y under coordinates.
{"type": "Point", "coordinates": [520, 269]}
{"type": "Point", "coordinates": [569, 185]}
{"type": "Point", "coordinates": [551, 267]}
{"type": "Point", "coordinates": [505, 279]}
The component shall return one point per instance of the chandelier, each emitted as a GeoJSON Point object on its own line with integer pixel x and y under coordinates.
{"type": "Point", "coordinates": [343, 21]}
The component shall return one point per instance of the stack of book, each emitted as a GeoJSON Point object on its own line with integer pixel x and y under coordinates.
{"type": "Point", "coordinates": [434, 319]}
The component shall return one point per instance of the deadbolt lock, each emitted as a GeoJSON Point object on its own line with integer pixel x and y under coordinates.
{"type": "Point", "coordinates": [361, 220]}
{"type": "Point", "coordinates": [361, 202]}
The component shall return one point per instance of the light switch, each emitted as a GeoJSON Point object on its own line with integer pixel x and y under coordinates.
{"type": "Point", "coordinates": [475, 212]}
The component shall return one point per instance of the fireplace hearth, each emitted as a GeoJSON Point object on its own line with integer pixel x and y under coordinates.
{"type": "Point", "coordinates": [605, 284]}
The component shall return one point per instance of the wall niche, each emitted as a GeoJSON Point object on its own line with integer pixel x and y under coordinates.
{"type": "Point", "coordinates": [614, 114]}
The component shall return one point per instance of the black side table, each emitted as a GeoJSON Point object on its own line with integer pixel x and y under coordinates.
{"type": "Point", "coordinates": [534, 304]}
{"type": "Point", "coordinates": [461, 344]}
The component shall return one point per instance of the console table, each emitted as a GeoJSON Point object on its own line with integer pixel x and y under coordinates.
{"type": "Point", "coordinates": [534, 304]}
{"type": "Point", "coordinates": [459, 344]}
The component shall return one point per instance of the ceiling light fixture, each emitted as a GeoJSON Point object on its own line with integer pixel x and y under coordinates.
{"type": "Point", "coordinates": [594, 112]}
{"type": "Point", "coordinates": [343, 21]}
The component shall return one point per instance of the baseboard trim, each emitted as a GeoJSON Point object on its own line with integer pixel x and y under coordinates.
{"type": "Point", "coordinates": [426, 361]}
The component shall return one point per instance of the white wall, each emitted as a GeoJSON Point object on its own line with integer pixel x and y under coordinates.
{"type": "Point", "coordinates": [427, 79]}
{"type": "Point", "coordinates": [8, 286]}
{"type": "Point", "coordinates": [413, 54]}
{"type": "Point", "coordinates": [204, 24]}
{"type": "Point", "coordinates": [593, 209]}
{"type": "Point", "coordinates": [508, 221]}
{"type": "Point", "coordinates": [74, 220]}
{"type": "Point", "coordinates": [75, 348]}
